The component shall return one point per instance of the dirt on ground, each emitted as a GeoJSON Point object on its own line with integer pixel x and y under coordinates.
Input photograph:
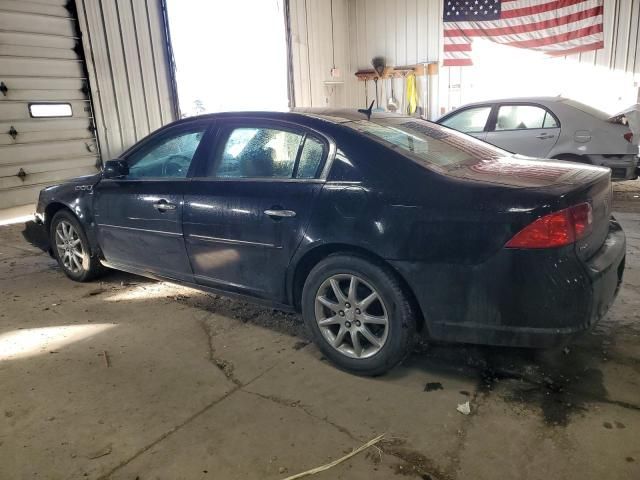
{"type": "Point", "coordinates": [128, 378]}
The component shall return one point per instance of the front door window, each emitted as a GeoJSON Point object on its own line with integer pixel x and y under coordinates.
{"type": "Point", "coordinates": [168, 157]}
{"type": "Point", "coordinates": [470, 120]}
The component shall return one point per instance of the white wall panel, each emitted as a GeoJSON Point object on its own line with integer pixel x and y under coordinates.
{"type": "Point", "coordinates": [622, 38]}
{"type": "Point", "coordinates": [313, 51]}
{"type": "Point", "coordinates": [130, 70]}
{"type": "Point", "coordinates": [403, 31]}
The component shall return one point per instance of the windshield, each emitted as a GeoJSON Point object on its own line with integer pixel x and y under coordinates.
{"type": "Point", "coordinates": [427, 143]}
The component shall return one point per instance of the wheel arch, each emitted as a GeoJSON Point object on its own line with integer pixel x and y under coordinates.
{"type": "Point", "coordinates": [313, 256]}
{"type": "Point", "coordinates": [56, 206]}
{"type": "Point", "coordinates": [573, 157]}
{"type": "Point", "coordinates": [51, 209]}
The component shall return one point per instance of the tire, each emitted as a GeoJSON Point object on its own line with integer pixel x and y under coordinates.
{"type": "Point", "coordinates": [68, 240]}
{"type": "Point", "coordinates": [335, 321]}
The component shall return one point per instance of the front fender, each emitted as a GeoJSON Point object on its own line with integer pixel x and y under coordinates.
{"type": "Point", "coordinates": [75, 196]}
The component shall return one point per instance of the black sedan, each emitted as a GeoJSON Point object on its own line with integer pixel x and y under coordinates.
{"type": "Point", "coordinates": [375, 228]}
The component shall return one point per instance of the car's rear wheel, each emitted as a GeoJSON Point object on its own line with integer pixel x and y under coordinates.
{"type": "Point", "coordinates": [358, 313]}
{"type": "Point", "coordinates": [71, 248]}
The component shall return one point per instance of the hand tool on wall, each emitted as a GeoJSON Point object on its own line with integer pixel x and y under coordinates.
{"type": "Point", "coordinates": [366, 92]}
{"type": "Point", "coordinates": [378, 65]}
{"type": "Point", "coordinates": [425, 101]}
{"type": "Point", "coordinates": [375, 80]}
{"type": "Point", "coordinates": [412, 94]}
{"type": "Point", "coordinates": [392, 103]}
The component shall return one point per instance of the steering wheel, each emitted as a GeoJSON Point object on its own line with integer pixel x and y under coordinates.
{"type": "Point", "coordinates": [176, 166]}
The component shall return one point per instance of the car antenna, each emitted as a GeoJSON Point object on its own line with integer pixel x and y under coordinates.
{"type": "Point", "coordinates": [367, 111]}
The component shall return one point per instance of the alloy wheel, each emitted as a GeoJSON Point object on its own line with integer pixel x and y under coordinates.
{"type": "Point", "coordinates": [351, 316]}
{"type": "Point", "coordinates": [69, 246]}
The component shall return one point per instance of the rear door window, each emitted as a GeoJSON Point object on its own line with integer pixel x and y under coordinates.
{"type": "Point", "coordinates": [524, 117]}
{"type": "Point", "coordinates": [260, 152]}
{"type": "Point", "coordinates": [311, 158]}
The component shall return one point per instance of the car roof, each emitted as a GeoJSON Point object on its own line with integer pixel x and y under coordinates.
{"type": "Point", "coordinates": [517, 100]}
{"type": "Point", "coordinates": [332, 115]}
{"type": "Point", "coordinates": [560, 106]}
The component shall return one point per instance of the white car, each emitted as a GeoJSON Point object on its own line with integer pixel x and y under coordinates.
{"type": "Point", "coordinates": [552, 127]}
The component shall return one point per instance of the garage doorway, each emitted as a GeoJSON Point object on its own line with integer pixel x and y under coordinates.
{"type": "Point", "coordinates": [229, 55]}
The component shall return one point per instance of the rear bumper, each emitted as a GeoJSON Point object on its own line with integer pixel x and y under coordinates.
{"type": "Point", "coordinates": [519, 298]}
{"type": "Point", "coordinates": [624, 167]}
{"type": "Point", "coordinates": [606, 269]}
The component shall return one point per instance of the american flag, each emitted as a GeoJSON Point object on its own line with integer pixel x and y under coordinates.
{"type": "Point", "coordinates": [558, 28]}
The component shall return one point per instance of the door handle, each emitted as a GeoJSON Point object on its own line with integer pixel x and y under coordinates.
{"type": "Point", "coordinates": [162, 206]}
{"type": "Point", "coordinates": [545, 136]}
{"type": "Point", "coordinates": [280, 213]}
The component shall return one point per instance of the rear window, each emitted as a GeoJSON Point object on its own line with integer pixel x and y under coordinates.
{"type": "Point", "coordinates": [426, 142]}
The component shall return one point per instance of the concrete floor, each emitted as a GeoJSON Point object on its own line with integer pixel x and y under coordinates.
{"type": "Point", "coordinates": [133, 379]}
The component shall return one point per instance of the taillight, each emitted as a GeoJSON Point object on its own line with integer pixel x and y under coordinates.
{"type": "Point", "coordinates": [628, 137]}
{"type": "Point", "coordinates": [582, 216]}
{"type": "Point", "coordinates": [556, 229]}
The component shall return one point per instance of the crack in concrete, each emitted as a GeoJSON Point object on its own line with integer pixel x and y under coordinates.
{"type": "Point", "coordinates": [169, 432]}
{"type": "Point", "coordinates": [224, 365]}
{"type": "Point", "coordinates": [297, 404]}
{"type": "Point", "coordinates": [178, 427]}
{"type": "Point", "coordinates": [237, 386]}
{"type": "Point", "coordinates": [618, 403]}
{"type": "Point", "coordinates": [418, 464]}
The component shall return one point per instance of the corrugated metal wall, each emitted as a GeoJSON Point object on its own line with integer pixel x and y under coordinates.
{"type": "Point", "coordinates": [41, 61]}
{"type": "Point", "coordinates": [622, 38]}
{"type": "Point", "coordinates": [130, 69]}
{"type": "Point", "coordinates": [313, 51]}
{"type": "Point", "coordinates": [408, 32]}
{"type": "Point", "coordinates": [403, 31]}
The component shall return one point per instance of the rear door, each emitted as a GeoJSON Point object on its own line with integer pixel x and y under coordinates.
{"type": "Point", "coordinates": [472, 120]}
{"type": "Point", "coordinates": [526, 129]}
{"type": "Point", "coordinates": [139, 217]}
{"type": "Point", "coordinates": [245, 216]}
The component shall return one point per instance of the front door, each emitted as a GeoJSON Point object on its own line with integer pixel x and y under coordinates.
{"type": "Point", "coordinates": [139, 217]}
{"type": "Point", "coordinates": [244, 218]}
{"type": "Point", "coordinates": [525, 129]}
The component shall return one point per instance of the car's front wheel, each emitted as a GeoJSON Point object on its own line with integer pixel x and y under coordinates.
{"type": "Point", "coordinates": [358, 313]}
{"type": "Point", "coordinates": [71, 248]}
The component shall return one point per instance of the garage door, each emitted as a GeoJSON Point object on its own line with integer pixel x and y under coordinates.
{"type": "Point", "coordinates": [46, 126]}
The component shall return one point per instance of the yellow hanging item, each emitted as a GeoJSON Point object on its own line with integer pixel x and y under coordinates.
{"type": "Point", "coordinates": [412, 94]}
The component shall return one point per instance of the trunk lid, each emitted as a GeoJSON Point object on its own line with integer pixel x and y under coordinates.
{"type": "Point", "coordinates": [552, 185]}
{"type": "Point", "coordinates": [525, 172]}
{"type": "Point", "coordinates": [629, 117]}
